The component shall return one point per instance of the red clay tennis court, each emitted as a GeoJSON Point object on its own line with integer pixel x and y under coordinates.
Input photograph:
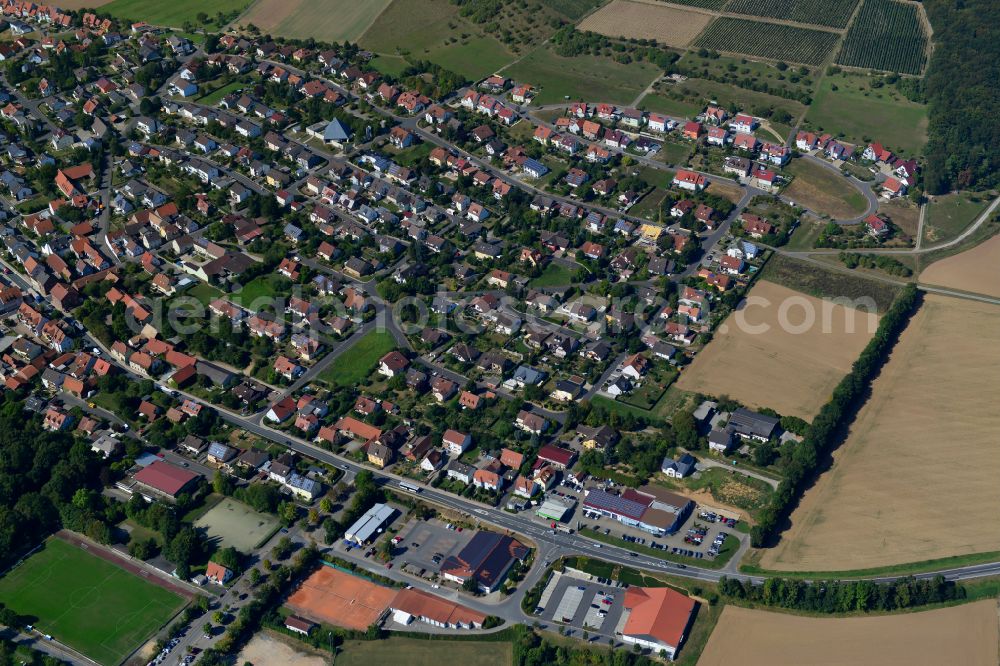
{"type": "Point", "coordinates": [338, 598]}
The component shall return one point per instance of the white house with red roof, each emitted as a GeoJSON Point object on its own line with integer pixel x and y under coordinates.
{"type": "Point", "coordinates": [743, 123]}
{"type": "Point", "coordinates": [689, 180]}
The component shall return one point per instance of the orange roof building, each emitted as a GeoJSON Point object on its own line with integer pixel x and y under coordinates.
{"type": "Point", "coordinates": [658, 618]}
{"type": "Point", "coordinates": [411, 604]}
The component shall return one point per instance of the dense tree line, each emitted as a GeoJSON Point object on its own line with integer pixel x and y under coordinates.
{"type": "Point", "coordinates": [569, 41]}
{"type": "Point", "coordinates": [530, 649]}
{"type": "Point", "coordinates": [828, 426]}
{"type": "Point", "coordinates": [184, 546]}
{"type": "Point", "coordinates": [832, 596]}
{"type": "Point", "coordinates": [882, 262]}
{"type": "Point", "coordinates": [962, 87]}
{"type": "Point", "coordinates": [40, 474]}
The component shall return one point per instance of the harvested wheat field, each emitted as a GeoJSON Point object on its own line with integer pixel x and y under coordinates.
{"type": "Point", "coordinates": [338, 598]}
{"type": "Point", "coordinates": [635, 19]}
{"type": "Point", "coordinates": [964, 635]}
{"type": "Point", "coordinates": [976, 270]}
{"type": "Point", "coordinates": [916, 479]}
{"type": "Point", "coordinates": [791, 369]}
{"type": "Point", "coordinates": [327, 20]}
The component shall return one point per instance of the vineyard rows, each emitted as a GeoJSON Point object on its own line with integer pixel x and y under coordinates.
{"type": "Point", "coordinates": [832, 13]}
{"type": "Point", "coordinates": [714, 5]}
{"type": "Point", "coordinates": [768, 40]}
{"type": "Point", "coordinates": [887, 35]}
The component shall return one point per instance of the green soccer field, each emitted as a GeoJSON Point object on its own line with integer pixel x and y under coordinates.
{"type": "Point", "coordinates": [86, 602]}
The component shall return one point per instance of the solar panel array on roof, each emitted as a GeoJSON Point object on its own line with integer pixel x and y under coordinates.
{"type": "Point", "coordinates": [603, 501]}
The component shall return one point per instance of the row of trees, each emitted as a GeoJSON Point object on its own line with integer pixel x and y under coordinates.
{"type": "Point", "coordinates": [828, 426]}
{"type": "Point", "coordinates": [570, 42]}
{"type": "Point", "coordinates": [40, 473]}
{"type": "Point", "coordinates": [887, 264]}
{"type": "Point", "coordinates": [835, 596]}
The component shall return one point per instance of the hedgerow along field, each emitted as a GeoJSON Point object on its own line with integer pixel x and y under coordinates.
{"type": "Point", "coordinates": [791, 369]}
{"type": "Point", "coordinates": [832, 13]}
{"type": "Point", "coordinates": [768, 40]}
{"type": "Point", "coordinates": [887, 35]}
{"type": "Point", "coordinates": [86, 602]}
{"type": "Point", "coordinates": [883, 502]}
{"type": "Point", "coordinates": [703, 4]}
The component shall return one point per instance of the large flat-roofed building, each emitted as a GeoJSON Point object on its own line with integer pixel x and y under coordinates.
{"type": "Point", "coordinates": [164, 479]}
{"type": "Point", "coordinates": [370, 524]}
{"type": "Point", "coordinates": [552, 509]}
{"type": "Point", "coordinates": [658, 618]}
{"type": "Point", "coordinates": [623, 510]}
{"type": "Point", "coordinates": [654, 510]}
{"type": "Point", "coordinates": [486, 558]}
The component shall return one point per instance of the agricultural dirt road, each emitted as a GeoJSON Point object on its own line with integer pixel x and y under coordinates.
{"type": "Point", "coordinates": [983, 217]}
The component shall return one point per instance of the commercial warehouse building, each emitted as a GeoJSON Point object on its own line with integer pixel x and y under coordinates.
{"type": "Point", "coordinates": [658, 618]}
{"type": "Point", "coordinates": [649, 508]}
{"type": "Point", "coordinates": [411, 604]}
{"type": "Point", "coordinates": [486, 558]}
{"type": "Point", "coordinates": [553, 509]}
{"type": "Point", "coordinates": [370, 524]}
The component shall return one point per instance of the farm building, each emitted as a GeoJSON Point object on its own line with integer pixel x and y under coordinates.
{"type": "Point", "coordinates": [753, 425]}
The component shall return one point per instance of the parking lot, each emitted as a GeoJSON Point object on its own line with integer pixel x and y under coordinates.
{"type": "Point", "coordinates": [595, 607]}
{"type": "Point", "coordinates": [700, 537]}
{"type": "Point", "coordinates": [424, 544]}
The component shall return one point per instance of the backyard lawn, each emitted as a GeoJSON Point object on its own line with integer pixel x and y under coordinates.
{"type": "Point", "coordinates": [554, 275]}
{"type": "Point", "coordinates": [204, 292]}
{"type": "Point", "coordinates": [357, 363]}
{"type": "Point", "coordinates": [214, 97]}
{"type": "Point", "coordinates": [260, 289]}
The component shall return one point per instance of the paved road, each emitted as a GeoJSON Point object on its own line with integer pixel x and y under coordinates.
{"type": "Point", "coordinates": [971, 229]}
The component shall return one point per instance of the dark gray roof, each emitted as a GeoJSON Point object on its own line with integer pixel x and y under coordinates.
{"type": "Point", "coordinates": [745, 422]}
